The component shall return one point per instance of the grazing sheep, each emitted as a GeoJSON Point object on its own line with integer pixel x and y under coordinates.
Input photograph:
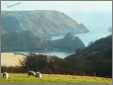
{"type": "Point", "coordinates": [31, 73]}
{"type": "Point", "coordinates": [38, 74]}
{"type": "Point", "coordinates": [5, 75]}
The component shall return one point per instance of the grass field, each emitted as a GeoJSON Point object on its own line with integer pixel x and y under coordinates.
{"type": "Point", "coordinates": [53, 78]}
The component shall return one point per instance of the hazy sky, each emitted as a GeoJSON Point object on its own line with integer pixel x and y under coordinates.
{"type": "Point", "coordinates": [95, 15]}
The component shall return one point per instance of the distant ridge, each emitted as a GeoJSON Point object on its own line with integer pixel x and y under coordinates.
{"type": "Point", "coordinates": [44, 22]}
{"type": "Point", "coordinates": [30, 30]}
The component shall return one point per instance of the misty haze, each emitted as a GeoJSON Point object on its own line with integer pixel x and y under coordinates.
{"type": "Point", "coordinates": [66, 38]}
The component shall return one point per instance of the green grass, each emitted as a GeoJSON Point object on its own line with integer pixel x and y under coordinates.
{"type": "Point", "coordinates": [53, 78]}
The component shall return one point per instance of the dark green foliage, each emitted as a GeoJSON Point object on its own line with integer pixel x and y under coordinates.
{"type": "Point", "coordinates": [44, 63]}
{"type": "Point", "coordinates": [13, 69]}
{"type": "Point", "coordinates": [96, 58]}
{"type": "Point", "coordinates": [35, 62]}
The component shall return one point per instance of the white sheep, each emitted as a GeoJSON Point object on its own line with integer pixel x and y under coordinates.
{"type": "Point", "coordinates": [5, 75]}
{"type": "Point", "coordinates": [38, 74]}
{"type": "Point", "coordinates": [31, 73]}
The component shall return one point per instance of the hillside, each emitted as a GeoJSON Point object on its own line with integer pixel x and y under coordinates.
{"type": "Point", "coordinates": [11, 59]}
{"type": "Point", "coordinates": [95, 59]}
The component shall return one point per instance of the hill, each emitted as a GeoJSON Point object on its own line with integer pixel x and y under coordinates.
{"type": "Point", "coordinates": [96, 58]}
{"type": "Point", "coordinates": [30, 30]}
{"type": "Point", "coordinates": [41, 23]}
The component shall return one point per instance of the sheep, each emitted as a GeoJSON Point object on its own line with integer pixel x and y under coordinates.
{"type": "Point", "coordinates": [31, 73]}
{"type": "Point", "coordinates": [5, 75]}
{"type": "Point", "coordinates": [38, 74]}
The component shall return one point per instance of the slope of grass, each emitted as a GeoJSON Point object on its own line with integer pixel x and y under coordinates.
{"type": "Point", "coordinates": [53, 78]}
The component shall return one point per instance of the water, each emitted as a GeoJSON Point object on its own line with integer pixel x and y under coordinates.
{"type": "Point", "coordinates": [60, 54]}
{"type": "Point", "coordinates": [57, 53]}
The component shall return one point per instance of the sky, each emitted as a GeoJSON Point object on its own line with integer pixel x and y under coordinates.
{"type": "Point", "coordinates": [95, 15]}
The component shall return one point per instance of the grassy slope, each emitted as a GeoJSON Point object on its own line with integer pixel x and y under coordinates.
{"type": "Point", "coordinates": [51, 78]}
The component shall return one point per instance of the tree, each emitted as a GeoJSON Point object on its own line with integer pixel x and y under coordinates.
{"type": "Point", "coordinates": [35, 62]}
